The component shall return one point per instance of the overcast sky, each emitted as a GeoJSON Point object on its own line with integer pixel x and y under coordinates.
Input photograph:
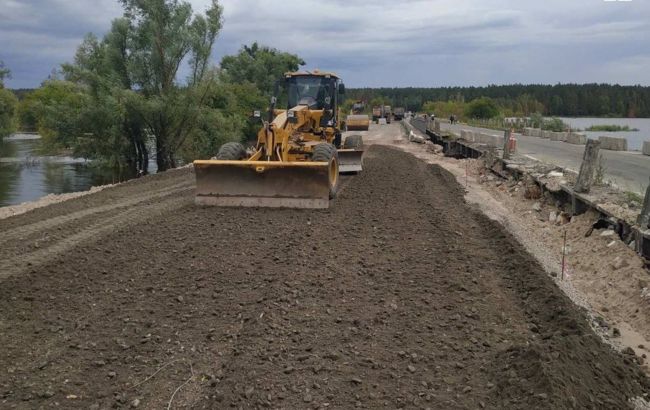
{"type": "Point", "coordinates": [374, 43]}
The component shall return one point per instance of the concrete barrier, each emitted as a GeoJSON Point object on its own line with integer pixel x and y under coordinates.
{"type": "Point", "coordinates": [568, 137]}
{"type": "Point", "coordinates": [492, 140]}
{"type": "Point", "coordinates": [532, 132]}
{"type": "Point", "coordinates": [557, 136]}
{"type": "Point", "coordinates": [646, 148]}
{"type": "Point", "coordinates": [576, 139]}
{"type": "Point", "coordinates": [613, 143]}
{"type": "Point", "coordinates": [481, 138]}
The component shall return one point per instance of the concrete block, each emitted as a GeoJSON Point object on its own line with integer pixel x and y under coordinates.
{"type": "Point", "coordinates": [491, 140]}
{"type": "Point", "coordinates": [613, 143]}
{"type": "Point", "coordinates": [557, 136]}
{"type": "Point", "coordinates": [646, 148]}
{"type": "Point", "coordinates": [577, 139]}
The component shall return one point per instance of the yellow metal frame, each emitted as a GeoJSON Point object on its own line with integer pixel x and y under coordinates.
{"type": "Point", "coordinates": [253, 164]}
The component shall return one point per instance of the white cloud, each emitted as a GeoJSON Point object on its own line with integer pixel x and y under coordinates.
{"type": "Point", "coordinates": [414, 42]}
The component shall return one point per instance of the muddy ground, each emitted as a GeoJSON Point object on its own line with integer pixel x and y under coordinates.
{"type": "Point", "coordinates": [398, 296]}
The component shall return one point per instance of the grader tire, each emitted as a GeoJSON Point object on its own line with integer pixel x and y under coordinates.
{"type": "Point", "coordinates": [327, 153]}
{"type": "Point", "coordinates": [231, 151]}
{"type": "Point", "coordinates": [353, 142]}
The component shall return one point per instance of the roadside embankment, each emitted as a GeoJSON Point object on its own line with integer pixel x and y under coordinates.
{"type": "Point", "coordinates": [601, 272]}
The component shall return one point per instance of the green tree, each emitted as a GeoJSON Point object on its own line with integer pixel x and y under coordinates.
{"type": "Point", "coordinates": [554, 124]}
{"type": "Point", "coordinates": [248, 79]}
{"type": "Point", "coordinates": [378, 102]}
{"type": "Point", "coordinates": [526, 105]}
{"type": "Point", "coordinates": [482, 108]}
{"type": "Point", "coordinates": [4, 73]}
{"type": "Point", "coordinates": [445, 109]}
{"type": "Point", "coordinates": [57, 105]}
{"type": "Point", "coordinates": [259, 65]}
{"type": "Point", "coordinates": [226, 117]}
{"type": "Point", "coordinates": [132, 79]}
{"type": "Point", "coordinates": [26, 113]}
{"type": "Point", "coordinates": [8, 104]}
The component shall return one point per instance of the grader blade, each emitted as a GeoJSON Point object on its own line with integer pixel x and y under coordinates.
{"type": "Point", "coordinates": [262, 184]}
{"type": "Point", "coordinates": [350, 160]}
{"type": "Point", "coordinates": [357, 122]}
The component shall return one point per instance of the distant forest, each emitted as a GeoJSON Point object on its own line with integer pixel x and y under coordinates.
{"type": "Point", "coordinates": [569, 100]}
{"type": "Point", "coordinates": [565, 100]}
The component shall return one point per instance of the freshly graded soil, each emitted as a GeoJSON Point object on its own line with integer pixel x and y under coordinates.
{"type": "Point", "coordinates": [400, 295]}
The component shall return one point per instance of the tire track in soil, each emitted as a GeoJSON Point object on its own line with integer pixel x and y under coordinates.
{"type": "Point", "coordinates": [398, 296]}
{"type": "Point", "coordinates": [119, 193]}
{"type": "Point", "coordinates": [143, 211]}
{"type": "Point", "coordinates": [23, 232]}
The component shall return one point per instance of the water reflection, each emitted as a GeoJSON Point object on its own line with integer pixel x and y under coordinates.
{"type": "Point", "coordinates": [26, 176]}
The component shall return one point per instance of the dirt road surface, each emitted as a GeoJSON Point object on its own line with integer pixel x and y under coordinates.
{"type": "Point", "coordinates": [398, 296]}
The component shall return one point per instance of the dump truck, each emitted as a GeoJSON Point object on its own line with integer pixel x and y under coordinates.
{"type": "Point", "coordinates": [398, 113]}
{"type": "Point", "coordinates": [357, 120]}
{"type": "Point", "coordinates": [388, 113]}
{"type": "Point", "coordinates": [298, 155]}
{"type": "Point", "coordinates": [377, 113]}
{"type": "Point", "coordinates": [382, 111]}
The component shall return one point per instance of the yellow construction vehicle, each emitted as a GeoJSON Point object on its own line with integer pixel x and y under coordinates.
{"type": "Point", "coordinates": [357, 120]}
{"type": "Point", "coordinates": [298, 156]}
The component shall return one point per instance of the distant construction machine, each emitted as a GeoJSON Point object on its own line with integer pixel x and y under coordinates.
{"type": "Point", "coordinates": [381, 111]}
{"type": "Point", "coordinates": [376, 113]}
{"type": "Point", "coordinates": [357, 120]}
{"type": "Point", "coordinates": [388, 113]}
{"type": "Point", "coordinates": [398, 113]}
{"type": "Point", "coordinates": [297, 158]}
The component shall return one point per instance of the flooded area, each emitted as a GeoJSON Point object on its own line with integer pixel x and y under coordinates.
{"type": "Point", "coordinates": [634, 138]}
{"type": "Point", "coordinates": [27, 176]}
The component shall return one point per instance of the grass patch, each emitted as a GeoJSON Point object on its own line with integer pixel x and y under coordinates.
{"type": "Point", "coordinates": [611, 128]}
{"type": "Point", "coordinates": [634, 198]}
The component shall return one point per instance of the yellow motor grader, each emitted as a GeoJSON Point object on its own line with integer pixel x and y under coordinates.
{"type": "Point", "coordinates": [298, 156]}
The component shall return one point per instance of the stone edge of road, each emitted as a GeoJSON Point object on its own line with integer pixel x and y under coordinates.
{"type": "Point", "coordinates": [51, 199]}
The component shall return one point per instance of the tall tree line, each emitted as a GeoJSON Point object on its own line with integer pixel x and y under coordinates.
{"type": "Point", "coordinates": [8, 104]}
{"type": "Point", "coordinates": [571, 100]}
{"type": "Point", "coordinates": [125, 96]}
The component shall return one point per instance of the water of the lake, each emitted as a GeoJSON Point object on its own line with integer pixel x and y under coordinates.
{"type": "Point", "coordinates": [634, 138]}
{"type": "Point", "coordinates": [26, 176]}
